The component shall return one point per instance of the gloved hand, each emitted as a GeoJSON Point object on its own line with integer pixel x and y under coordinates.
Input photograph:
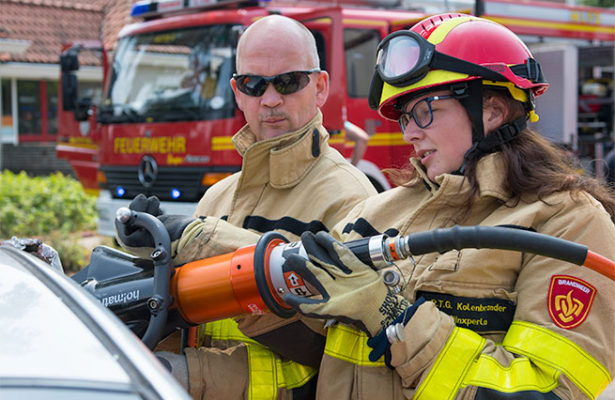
{"type": "Point", "coordinates": [352, 292]}
{"type": "Point", "coordinates": [137, 240]}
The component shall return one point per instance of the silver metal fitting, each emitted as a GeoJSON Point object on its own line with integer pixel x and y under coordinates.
{"type": "Point", "coordinates": [123, 214]}
{"type": "Point", "coordinates": [377, 249]}
{"type": "Point", "coordinates": [391, 277]}
{"type": "Point", "coordinates": [395, 333]}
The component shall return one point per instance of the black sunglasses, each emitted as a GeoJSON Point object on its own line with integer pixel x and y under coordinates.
{"type": "Point", "coordinates": [286, 83]}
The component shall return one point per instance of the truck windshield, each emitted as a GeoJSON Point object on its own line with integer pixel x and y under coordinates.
{"type": "Point", "coordinates": [179, 75]}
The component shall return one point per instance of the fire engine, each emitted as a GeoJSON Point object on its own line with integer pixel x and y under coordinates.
{"type": "Point", "coordinates": [165, 124]}
{"type": "Point", "coordinates": [167, 115]}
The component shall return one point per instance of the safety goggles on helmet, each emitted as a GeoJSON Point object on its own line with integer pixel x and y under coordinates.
{"type": "Point", "coordinates": [286, 83]}
{"type": "Point", "coordinates": [405, 57]}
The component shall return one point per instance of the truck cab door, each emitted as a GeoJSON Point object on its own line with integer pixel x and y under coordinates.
{"type": "Point", "coordinates": [326, 25]}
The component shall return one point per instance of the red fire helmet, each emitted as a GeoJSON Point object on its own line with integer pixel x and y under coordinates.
{"type": "Point", "coordinates": [448, 48]}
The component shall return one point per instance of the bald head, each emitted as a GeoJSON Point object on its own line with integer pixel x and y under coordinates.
{"type": "Point", "coordinates": [270, 47]}
{"type": "Point", "coordinates": [276, 33]}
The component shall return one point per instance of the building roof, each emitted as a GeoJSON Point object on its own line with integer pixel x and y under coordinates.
{"type": "Point", "coordinates": [51, 24]}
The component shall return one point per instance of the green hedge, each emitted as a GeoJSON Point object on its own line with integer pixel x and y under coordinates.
{"type": "Point", "coordinates": [54, 208]}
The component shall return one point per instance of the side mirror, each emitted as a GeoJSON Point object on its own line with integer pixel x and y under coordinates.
{"type": "Point", "coordinates": [69, 63]}
{"type": "Point", "coordinates": [69, 60]}
{"type": "Point", "coordinates": [69, 91]}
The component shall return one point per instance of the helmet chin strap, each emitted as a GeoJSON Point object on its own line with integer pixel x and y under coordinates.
{"type": "Point", "coordinates": [471, 97]}
{"type": "Point", "coordinates": [503, 134]}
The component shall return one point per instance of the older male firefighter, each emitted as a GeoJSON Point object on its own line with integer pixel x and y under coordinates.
{"type": "Point", "coordinates": [291, 181]}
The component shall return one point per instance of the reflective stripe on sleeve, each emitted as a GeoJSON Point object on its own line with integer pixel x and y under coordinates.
{"type": "Point", "coordinates": [268, 372]}
{"type": "Point", "coordinates": [447, 373]}
{"type": "Point", "coordinates": [545, 355]}
{"type": "Point", "coordinates": [559, 353]}
{"type": "Point", "coordinates": [350, 345]}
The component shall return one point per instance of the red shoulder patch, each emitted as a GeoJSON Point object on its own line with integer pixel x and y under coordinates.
{"type": "Point", "coordinates": [570, 299]}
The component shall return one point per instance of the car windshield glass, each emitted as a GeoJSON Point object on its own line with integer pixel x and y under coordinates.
{"type": "Point", "coordinates": [177, 75]}
{"type": "Point", "coordinates": [41, 338]}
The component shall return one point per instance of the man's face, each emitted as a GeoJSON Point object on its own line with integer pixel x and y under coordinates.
{"type": "Point", "coordinates": [273, 114]}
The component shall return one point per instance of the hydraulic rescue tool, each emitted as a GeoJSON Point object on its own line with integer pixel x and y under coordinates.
{"type": "Point", "coordinates": [154, 298]}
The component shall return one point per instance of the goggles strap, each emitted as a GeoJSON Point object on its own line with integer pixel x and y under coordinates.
{"type": "Point", "coordinates": [530, 70]}
{"type": "Point", "coordinates": [375, 91]}
{"type": "Point", "coordinates": [453, 64]}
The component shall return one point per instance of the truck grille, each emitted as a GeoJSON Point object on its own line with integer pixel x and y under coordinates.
{"type": "Point", "coordinates": [186, 180]}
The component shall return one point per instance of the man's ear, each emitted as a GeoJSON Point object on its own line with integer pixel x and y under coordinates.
{"type": "Point", "coordinates": [495, 112]}
{"type": "Point", "coordinates": [238, 97]}
{"type": "Point", "coordinates": [322, 88]}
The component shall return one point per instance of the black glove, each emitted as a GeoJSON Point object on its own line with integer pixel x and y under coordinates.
{"type": "Point", "coordinates": [381, 343]}
{"type": "Point", "coordinates": [139, 241]}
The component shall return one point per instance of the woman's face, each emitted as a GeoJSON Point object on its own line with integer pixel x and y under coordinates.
{"type": "Point", "coordinates": [442, 144]}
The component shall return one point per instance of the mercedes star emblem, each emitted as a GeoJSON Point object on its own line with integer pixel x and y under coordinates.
{"type": "Point", "coordinates": [148, 171]}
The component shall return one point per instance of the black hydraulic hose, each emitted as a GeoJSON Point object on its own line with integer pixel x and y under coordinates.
{"type": "Point", "coordinates": [494, 237]}
{"type": "Point", "coordinates": [160, 301]}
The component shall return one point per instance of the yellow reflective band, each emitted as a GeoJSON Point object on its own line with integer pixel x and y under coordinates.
{"type": "Point", "coordinates": [295, 374]}
{"type": "Point", "coordinates": [460, 368]}
{"type": "Point", "coordinates": [348, 344]}
{"type": "Point", "coordinates": [545, 356]}
{"type": "Point", "coordinates": [225, 329]}
{"type": "Point", "coordinates": [263, 374]}
{"type": "Point", "coordinates": [560, 353]}
{"type": "Point", "coordinates": [521, 374]}
{"type": "Point", "coordinates": [446, 375]}
{"type": "Point", "coordinates": [268, 372]}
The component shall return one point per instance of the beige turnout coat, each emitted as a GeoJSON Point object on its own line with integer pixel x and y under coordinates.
{"type": "Point", "coordinates": [290, 184]}
{"type": "Point", "coordinates": [504, 321]}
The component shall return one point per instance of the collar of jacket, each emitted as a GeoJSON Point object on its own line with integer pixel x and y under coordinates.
{"type": "Point", "coordinates": [490, 175]}
{"type": "Point", "coordinates": [283, 160]}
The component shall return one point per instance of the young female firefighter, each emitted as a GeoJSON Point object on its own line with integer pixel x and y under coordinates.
{"type": "Point", "coordinates": [469, 324]}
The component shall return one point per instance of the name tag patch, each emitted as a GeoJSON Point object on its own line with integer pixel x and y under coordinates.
{"type": "Point", "coordinates": [477, 314]}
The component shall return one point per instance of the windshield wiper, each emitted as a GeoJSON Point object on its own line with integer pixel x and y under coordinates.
{"type": "Point", "coordinates": [180, 114]}
{"type": "Point", "coordinates": [127, 113]}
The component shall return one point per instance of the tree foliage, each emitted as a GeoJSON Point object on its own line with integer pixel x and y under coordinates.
{"type": "Point", "coordinates": [597, 3]}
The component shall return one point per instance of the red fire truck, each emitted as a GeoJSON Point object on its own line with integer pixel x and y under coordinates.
{"type": "Point", "coordinates": [165, 123]}
{"type": "Point", "coordinates": [167, 115]}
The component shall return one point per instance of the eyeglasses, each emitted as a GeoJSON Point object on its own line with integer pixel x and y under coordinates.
{"type": "Point", "coordinates": [421, 112]}
{"type": "Point", "coordinates": [286, 83]}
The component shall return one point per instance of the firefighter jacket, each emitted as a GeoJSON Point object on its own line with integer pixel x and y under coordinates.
{"type": "Point", "coordinates": [496, 323]}
{"type": "Point", "coordinates": [291, 184]}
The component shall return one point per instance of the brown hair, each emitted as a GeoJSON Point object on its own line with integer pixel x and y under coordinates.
{"type": "Point", "coordinates": [534, 166]}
